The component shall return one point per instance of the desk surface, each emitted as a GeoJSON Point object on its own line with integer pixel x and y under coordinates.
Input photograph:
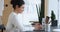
{"type": "Point", "coordinates": [43, 31]}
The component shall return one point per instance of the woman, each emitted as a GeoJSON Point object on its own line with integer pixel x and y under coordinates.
{"type": "Point", "coordinates": [13, 21]}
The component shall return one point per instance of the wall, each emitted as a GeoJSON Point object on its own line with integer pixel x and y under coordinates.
{"type": "Point", "coordinates": [53, 5]}
{"type": "Point", "coordinates": [46, 7]}
{"type": "Point", "coordinates": [6, 12]}
{"type": "Point", "coordinates": [1, 7]}
{"type": "Point", "coordinates": [1, 10]}
{"type": "Point", "coordinates": [59, 14]}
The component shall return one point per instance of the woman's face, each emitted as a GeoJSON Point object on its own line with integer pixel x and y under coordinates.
{"type": "Point", "coordinates": [20, 9]}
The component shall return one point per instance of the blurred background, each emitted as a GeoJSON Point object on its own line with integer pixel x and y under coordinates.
{"type": "Point", "coordinates": [35, 10]}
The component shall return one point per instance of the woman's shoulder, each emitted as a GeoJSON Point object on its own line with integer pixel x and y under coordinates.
{"type": "Point", "coordinates": [12, 14]}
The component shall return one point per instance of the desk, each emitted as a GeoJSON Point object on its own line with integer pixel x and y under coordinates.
{"type": "Point", "coordinates": [41, 31]}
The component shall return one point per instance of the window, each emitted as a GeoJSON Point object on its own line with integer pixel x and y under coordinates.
{"type": "Point", "coordinates": [30, 9]}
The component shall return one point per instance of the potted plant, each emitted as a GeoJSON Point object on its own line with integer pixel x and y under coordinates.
{"type": "Point", "coordinates": [53, 17]}
{"type": "Point", "coordinates": [40, 13]}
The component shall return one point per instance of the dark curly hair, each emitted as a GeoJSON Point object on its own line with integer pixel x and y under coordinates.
{"type": "Point", "coordinates": [17, 2]}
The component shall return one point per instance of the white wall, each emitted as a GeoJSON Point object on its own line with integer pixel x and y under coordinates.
{"type": "Point", "coordinates": [30, 9]}
{"type": "Point", "coordinates": [53, 5]}
{"type": "Point", "coordinates": [1, 7]}
{"type": "Point", "coordinates": [59, 13]}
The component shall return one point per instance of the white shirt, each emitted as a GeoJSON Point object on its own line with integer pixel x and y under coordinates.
{"type": "Point", "coordinates": [13, 22]}
{"type": "Point", "coordinates": [18, 21]}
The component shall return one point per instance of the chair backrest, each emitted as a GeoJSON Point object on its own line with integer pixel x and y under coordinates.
{"type": "Point", "coordinates": [2, 27]}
